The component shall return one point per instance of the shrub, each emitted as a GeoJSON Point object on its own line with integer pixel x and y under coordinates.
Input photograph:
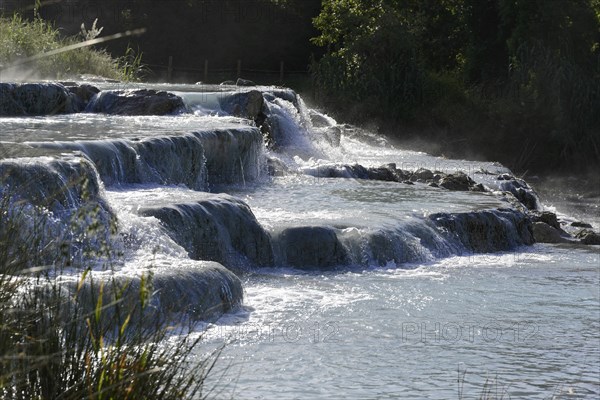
{"type": "Point", "coordinates": [80, 337]}
{"type": "Point", "coordinates": [20, 39]}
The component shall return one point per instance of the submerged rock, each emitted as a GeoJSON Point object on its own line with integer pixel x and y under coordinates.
{"type": "Point", "coordinates": [136, 102]}
{"type": "Point", "coordinates": [218, 228]}
{"type": "Point", "coordinates": [309, 247]}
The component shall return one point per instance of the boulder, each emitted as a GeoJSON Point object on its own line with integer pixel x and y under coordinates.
{"type": "Point", "coordinates": [333, 135]}
{"type": "Point", "coordinates": [83, 94]}
{"type": "Point", "coordinates": [588, 236]}
{"type": "Point", "coordinates": [136, 102]}
{"type": "Point", "coordinates": [35, 99]}
{"type": "Point", "coordinates": [546, 217]}
{"type": "Point", "coordinates": [383, 174]}
{"type": "Point", "coordinates": [521, 190]}
{"type": "Point", "coordinates": [276, 167]}
{"type": "Point", "coordinates": [457, 182]}
{"type": "Point", "coordinates": [244, 82]}
{"type": "Point", "coordinates": [218, 228]}
{"type": "Point", "coordinates": [244, 104]}
{"type": "Point", "coordinates": [310, 248]}
{"type": "Point", "coordinates": [544, 233]}
{"type": "Point", "coordinates": [423, 174]}
{"type": "Point", "coordinates": [318, 120]}
{"type": "Point", "coordinates": [580, 224]}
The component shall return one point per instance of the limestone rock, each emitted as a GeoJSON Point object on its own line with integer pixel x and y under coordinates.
{"type": "Point", "coordinates": [136, 102]}
{"type": "Point", "coordinates": [244, 82]}
{"type": "Point", "coordinates": [487, 230]}
{"type": "Point", "coordinates": [547, 218]}
{"type": "Point", "coordinates": [243, 104]}
{"type": "Point", "coordinates": [544, 233]}
{"type": "Point", "coordinates": [35, 99]}
{"type": "Point", "coordinates": [217, 228]}
{"type": "Point", "coordinates": [310, 247]}
{"type": "Point", "coordinates": [83, 94]}
{"type": "Point", "coordinates": [580, 224]}
{"type": "Point", "coordinates": [588, 236]}
{"type": "Point", "coordinates": [521, 190]}
{"type": "Point", "coordinates": [458, 181]}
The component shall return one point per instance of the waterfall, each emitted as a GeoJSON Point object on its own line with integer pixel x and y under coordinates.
{"type": "Point", "coordinates": [342, 197]}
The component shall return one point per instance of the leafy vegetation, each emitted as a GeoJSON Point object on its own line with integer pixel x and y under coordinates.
{"type": "Point", "coordinates": [21, 39]}
{"type": "Point", "coordinates": [77, 335]}
{"type": "Point", "coordinates": [516, 80]}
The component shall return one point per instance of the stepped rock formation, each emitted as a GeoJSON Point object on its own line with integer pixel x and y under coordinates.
{"type": "Point", "coordinates": [217, 228]}
{"type": "Point", "coordinates": [266, 131]}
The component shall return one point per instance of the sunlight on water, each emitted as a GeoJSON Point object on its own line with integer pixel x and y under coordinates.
{"type": "Point", "coordinates": [411, 309]}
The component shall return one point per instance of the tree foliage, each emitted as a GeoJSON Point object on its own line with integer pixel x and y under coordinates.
{"type": "Point", "coordinates": [531, 65]}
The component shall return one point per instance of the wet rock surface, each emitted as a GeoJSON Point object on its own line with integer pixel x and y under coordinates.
{"type": "Point", "coordinates": [136, 102]}
{"type": "Point", "coordinates": [455, 182]}
{"type": "Point", "coordinates": [83, 94]}
{"type": "Point", "coordinates": [521, 190]}
{"type": "Point", "coordinates": [218, 228]}
{"type": "Point", "coordinates": [309, 247]}
{"type": "Point", "coordinates": [209, 289]}
{"type": "Point", "coordinates": [244, 104]}
{"type": "Point", "coordinates": [35, 99]}
{"type": "Point", "coordinates": [589, 237]}
{"type": "Point", "coordinates": [488, 230]}
{"type": "Point", "coordinates": [546, 217]}
{"type": "Point", "coordinates": [544, 233]}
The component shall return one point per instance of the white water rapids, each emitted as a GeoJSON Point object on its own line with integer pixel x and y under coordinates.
{"type": "Point", "coordinates": [353, 287]}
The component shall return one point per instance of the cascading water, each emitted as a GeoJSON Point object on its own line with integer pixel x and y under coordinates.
{"type": "Point", "coordinates": [351, 252]}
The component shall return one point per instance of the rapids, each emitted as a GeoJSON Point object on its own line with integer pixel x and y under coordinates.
{"type": "Point", "coordinates": [367, 270]}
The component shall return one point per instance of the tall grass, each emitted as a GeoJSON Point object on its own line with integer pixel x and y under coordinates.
{"type": "Point", "coordinates": [20, 38]}
{"type": "Point", "coordinates": [80, 337]}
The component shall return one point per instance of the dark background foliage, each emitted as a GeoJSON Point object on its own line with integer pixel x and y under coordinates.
{"type": "Point", "coordinates": [511, 80]}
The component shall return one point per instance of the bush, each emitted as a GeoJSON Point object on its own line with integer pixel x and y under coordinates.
{"type": "Point", "coordinates": [74, 336]}
{"type": "Point", "coordinates": [20, 39]}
